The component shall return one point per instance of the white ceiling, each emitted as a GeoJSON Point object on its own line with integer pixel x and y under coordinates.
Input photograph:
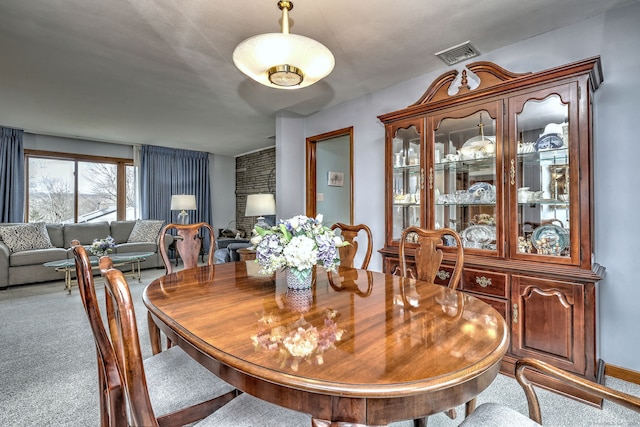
{"type": "Point", "coordinates": [160, 71]}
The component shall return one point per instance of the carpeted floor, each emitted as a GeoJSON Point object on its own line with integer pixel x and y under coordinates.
{"type": "Point", "coordinates": [48, 373]}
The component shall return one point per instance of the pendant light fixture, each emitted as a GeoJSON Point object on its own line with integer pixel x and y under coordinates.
{"type": "Point", "coordinates": [283, 60]}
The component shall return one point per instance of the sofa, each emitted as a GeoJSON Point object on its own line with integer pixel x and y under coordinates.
{"type": "Point", "coordinates": [24, 248]}
{"type": "Point", "coordinates": [227, 249]}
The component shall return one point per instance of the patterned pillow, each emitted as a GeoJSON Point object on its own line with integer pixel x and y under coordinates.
{"type": "Point", "coordinates": [145, 231]}
{"type": "Point", "coordinates": [24, 237]}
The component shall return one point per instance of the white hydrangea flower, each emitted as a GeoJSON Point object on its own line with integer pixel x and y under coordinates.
{"type": "Point", "coordinates": [301, 253]}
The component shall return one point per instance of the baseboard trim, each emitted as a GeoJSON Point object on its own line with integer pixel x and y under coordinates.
{"type": "Point", "coordinates": [622, 373]}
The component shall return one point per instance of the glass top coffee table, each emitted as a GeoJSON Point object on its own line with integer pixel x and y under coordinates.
{"type": "Point", "coordinates": [132, 259]}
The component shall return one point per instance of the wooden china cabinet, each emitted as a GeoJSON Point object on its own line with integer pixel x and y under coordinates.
{"type": "Point", "coordinates": [506, 160]}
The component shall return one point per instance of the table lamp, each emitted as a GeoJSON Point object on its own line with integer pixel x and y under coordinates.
{"type": "Point", "coordinates": [183, 203]}
{"type": "Point", "coordinates": [260, 205]}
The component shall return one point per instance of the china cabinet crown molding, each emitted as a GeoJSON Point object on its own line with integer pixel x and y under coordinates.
{"type": "Point", "coordinates": [494, 79]}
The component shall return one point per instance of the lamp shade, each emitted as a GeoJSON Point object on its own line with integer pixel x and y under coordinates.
{"type": "Point", "coordinates": [260, 205]}
{"type": "Point", "coordinates": [183, 202]}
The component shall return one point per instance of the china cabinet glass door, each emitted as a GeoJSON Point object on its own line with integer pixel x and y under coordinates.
{"type": "Point", "coordinates": [408, 178]}
{"type": "Point", "coordinates": [464, 182]}
{"type": "Point", "coordinates": [540, 176]}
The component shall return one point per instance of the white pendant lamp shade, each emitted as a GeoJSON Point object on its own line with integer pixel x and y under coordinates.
{"type": "Point", "coordinates": [283, 60]}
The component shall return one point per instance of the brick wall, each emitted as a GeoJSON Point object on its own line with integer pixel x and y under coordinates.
{"type": "Point", "coordinates": [255, 173]}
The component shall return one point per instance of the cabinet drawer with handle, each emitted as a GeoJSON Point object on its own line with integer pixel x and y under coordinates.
{"type": "Point", "coordinates": [443, 276]}
{"type": "Point", "coordinates": [499, 304]}
{"type": "Point", "coordinates": [484, 282]}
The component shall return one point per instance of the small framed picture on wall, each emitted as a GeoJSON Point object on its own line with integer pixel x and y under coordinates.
{"type": "Point", "coordinates": [336, 179]}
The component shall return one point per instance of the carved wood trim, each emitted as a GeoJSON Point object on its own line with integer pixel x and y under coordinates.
{"type": "Point", "coordinates": [494, 80]}
{"type": "Point", "coordinates": [494, 74]}
{"type": "Point", "coordinates": [486, 67]}
{"type": "Point", "coordinates": [438, 84]}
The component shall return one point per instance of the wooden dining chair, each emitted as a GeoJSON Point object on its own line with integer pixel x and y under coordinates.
{"type": "Point", "coordinates": [112, 401]}
{"type": "Point", "coordinates": [348, 252]}
{"type": "Point", "coordinates": [180, 377]}
{"type": "Point", "coordinates": [494, 414]}
{"type": "Point", "coordinates": [428, 254]}
{"type": "Point", "coordinates": [170, 388]}
{"type": "Point", "coordinates": [187, 244]}
{"type": "Point", "coordinates": [428, 258]}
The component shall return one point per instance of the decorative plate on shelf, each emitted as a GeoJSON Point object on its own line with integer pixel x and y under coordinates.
{"type": "Point", "coordinates": [482, 186]}
{"type": "Point", "coordinates": [550, 239]}
{"type": "Point", "coordinates": [479, 234]}
{"type": "Point", "coordinates": [549, 141]}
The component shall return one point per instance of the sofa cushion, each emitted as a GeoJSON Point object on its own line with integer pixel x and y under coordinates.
{"type": "Point", "coordinates": [125, 248]}
{"type": "Point", "coordinates": [121, 230]}
{"type": "Point", "coordinates": [145, 230]}
{"type": "Point", "coordinates": [56, 235]}
{"type": "Point", "coordinates": [24, 237]}
{"type": "Point", "coordinates": [85, 232]}
{"type": "Point", "coordinates": [37, 256]}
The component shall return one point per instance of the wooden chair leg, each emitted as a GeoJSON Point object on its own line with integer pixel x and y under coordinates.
{"type": "Point", "coordinates": [451, 413]}
{"type": "Point", "coordinates": [469, 407]}
{"type": "Point", "coordinates": [420, 422]}
{"type": "Point", "coordinates": [154, 335]}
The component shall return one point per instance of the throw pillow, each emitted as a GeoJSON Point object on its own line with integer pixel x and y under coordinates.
{"type": "Point", "coordinates": [145, 231]}
{"type": "Point", "coordinates": [24, 237]}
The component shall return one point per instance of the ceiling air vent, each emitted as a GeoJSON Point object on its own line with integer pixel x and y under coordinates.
{"type": "Point", "coordinates": [458, 53]}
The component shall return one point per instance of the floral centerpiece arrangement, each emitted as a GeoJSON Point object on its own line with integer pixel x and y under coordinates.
{"type": "Point", "coordinates": [298, 341]}
{"type": "Point", "coordinates": [101, 247]}
{"type": "Point", "coordinates": [296, 245]}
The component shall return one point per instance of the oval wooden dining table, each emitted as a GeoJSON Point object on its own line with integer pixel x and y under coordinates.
{"type": "Point", "coordinates": [358, 347]}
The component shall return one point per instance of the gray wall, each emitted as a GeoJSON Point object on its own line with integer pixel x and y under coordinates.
{"type": "Point", "coordinates": [77, 146]}
{"type": "Point", "coordinates": [615, 36]}
{"type": "Point", "coordinates": [223, 190]}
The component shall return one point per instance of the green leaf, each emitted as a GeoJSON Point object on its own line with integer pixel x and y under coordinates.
{"type": "Point", "coordinates": [287, 235]}
{"type": "Point", "coordinates": [261, 231]}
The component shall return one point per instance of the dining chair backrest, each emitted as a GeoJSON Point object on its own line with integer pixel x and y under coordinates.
{"type": "Point", "coordinates": [532, 366]}
{"type": "Point", "coordinates": [112, 400]}
{"type": "Point", "coordinates": [187, 243]}
{"type": "Point", "coordinates": [526, 371]}
{"type": "Point", "coordinates": [348, 252]}
{"type": "Point", "coordinates": [429, 255]}
{"type": "Point", "coordinates": [126, 344]}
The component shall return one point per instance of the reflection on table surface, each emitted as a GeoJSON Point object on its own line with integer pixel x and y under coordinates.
{"type": "Point", "coordinates": [356, 332]}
